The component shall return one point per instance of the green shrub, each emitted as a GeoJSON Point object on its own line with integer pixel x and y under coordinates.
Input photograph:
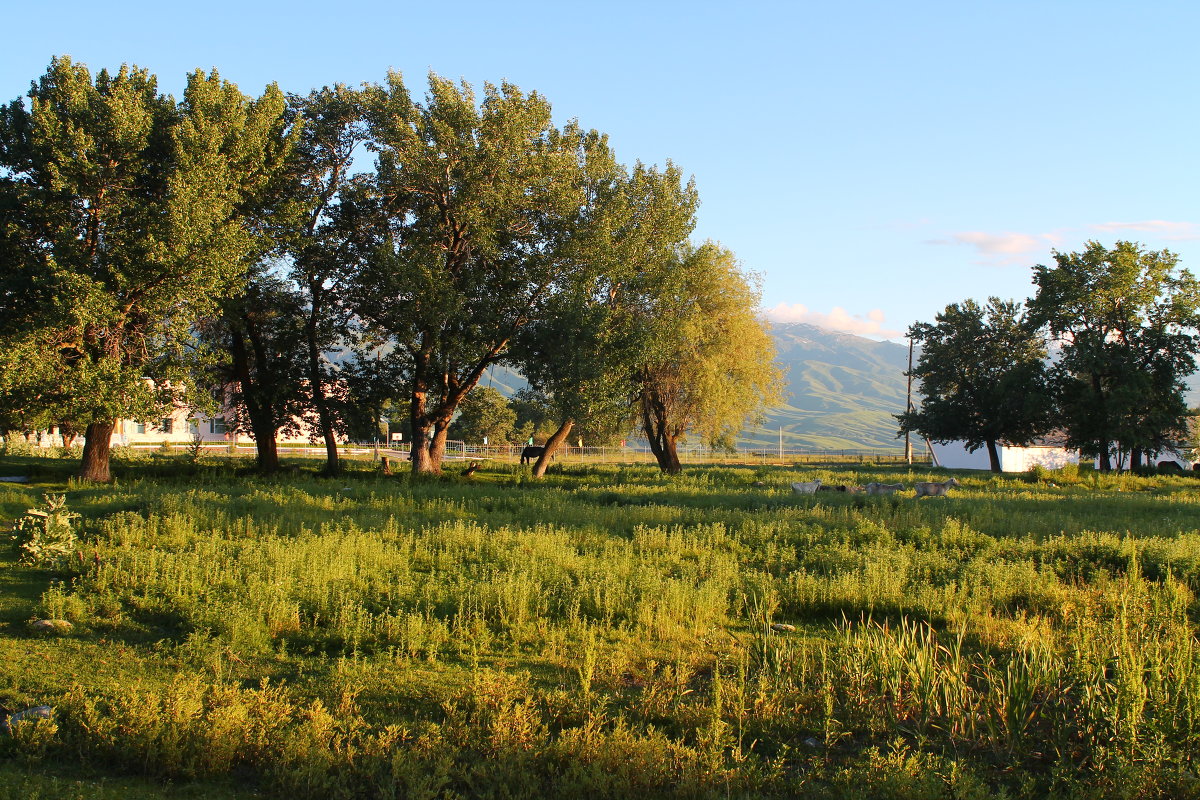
{"type": "Point", "coordinates": [46, 537]}
{"type": "Point", "coordinates": [16, 445]}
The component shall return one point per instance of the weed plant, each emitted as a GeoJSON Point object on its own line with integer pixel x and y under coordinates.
{"type": "Point", "coordinates": [610, 631]}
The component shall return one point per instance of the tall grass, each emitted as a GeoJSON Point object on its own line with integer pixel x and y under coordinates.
{"type": "Point", "coordinates": [613, 631]}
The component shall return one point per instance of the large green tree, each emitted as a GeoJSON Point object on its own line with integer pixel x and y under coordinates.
{"type": "Point", "coordinates": [1125, 319]}
{"type": "Point", "coordinates": [133, 216]}
{"type": "Point", "coordinates": [584, 356]}
{"type": "Point", "coordinates": [483, 202]}
{"type": "Point", "coordinates": [708, 366]}
{"type": "Point", "coordinates": [982, 376]}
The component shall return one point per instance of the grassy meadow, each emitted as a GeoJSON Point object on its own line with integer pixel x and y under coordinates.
{"type": "Point", "coordinates": [605, 632]}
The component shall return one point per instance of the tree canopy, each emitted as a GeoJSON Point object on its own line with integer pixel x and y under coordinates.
{"type": "Point", "coordinates": [1125, 320]}
{"type": "Point", "coordinates": [584, 356]}
{"type": "Point", "coordinates": [483, 203]}
{"type": "Point", "coordinates": [127, 212]}
{"type": "Point", "coordinates": [982, 376]}
{"type": "Point", "coordinates": [708, 366]}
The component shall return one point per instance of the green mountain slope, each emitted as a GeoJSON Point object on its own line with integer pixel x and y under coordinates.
{"type": "Point", "coordinates": [842, 391]}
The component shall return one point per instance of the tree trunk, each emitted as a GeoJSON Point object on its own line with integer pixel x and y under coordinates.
{"type": "Point", "coordinates": [316, 382]}
{"type": "Point", "coordinates": [266, 449]}
{"type": "Point", "coordinates": [258, 408]}
{"type": "Point", "coordinates": [267, 453]}
{"type": "Point", "coordinates": [96, 446]}
{"type": "Point", "coordinates": [419, 446]}
{"type": "Point", "coordinates": [656, 426]}
{"type": "Point", "coordinates": [1135, 459]}
{"type": "Point", "coordinates": [552, 445]}
{"type": "Point", "coordinates": [437, 446]}
{"type": "Point", "coordinates": [68, 433]}
{"type": "Point", "coordinates": [668, 457]}
{"type": "Point", "coordinates": [993, 455]}
{"type": "Point", "coordinates": [333, 461]}
{"type": "Point", "coordinates": [1105, 462]}
{"type": "Point", "coordinates": [419, 451]}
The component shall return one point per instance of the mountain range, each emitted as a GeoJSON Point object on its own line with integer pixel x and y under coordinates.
{"type": "Point", "coordinates": [840, 394]}
{"type": "Point", "coordinates": [841, 391]}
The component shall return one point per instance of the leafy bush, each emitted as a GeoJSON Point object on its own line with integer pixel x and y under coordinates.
{"type": "Point", "coordinates": [46, 537]}
{"type": "Point", "coordinates": [16, 445]}
{"type": "Point", "coordinates": [1068, 473]}
{"type": "Point", "coordinates": [1038, 474]}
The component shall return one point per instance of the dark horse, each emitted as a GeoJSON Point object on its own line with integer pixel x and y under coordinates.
{"type": "Point", "coordinates": [531, 453]}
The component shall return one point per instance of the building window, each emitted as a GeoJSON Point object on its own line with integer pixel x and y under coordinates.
{"type": "Point", "coordinates": [139, 427]}
{"type": "Point", "coordinates": [167, 425]}
{"type": "Point", "coordinates": [216, 425]}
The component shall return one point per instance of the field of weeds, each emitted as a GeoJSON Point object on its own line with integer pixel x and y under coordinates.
{"type": "Point", "coordinates": [604, 632]}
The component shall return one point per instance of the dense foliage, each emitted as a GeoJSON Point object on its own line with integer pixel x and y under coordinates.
{"type": "Point", "coordinates": [1126, 319]}
{"type": "Point", "coordinates": [982, 375]}
{"type": "Point", "coordinates": [1121, 329]}
{"type": "Point", "coordinates": [125, 217]}
{"type": "Point", "coordinates": [157, 250]}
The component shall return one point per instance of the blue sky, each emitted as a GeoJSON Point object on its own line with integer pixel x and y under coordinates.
{"type": "Point", "coordinates": [873, 161]}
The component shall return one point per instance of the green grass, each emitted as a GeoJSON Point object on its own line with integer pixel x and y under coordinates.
{"type": "Point", "coordinates": [608, 632]}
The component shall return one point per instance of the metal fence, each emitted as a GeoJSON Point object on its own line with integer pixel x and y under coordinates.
{"type": "Point", "coordinates": [628, 454]}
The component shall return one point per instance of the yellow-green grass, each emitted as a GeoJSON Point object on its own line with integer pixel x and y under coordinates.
{"type": "Point", "coordinates": [607, 631]}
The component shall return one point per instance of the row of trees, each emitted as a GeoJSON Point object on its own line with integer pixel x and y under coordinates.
{"type": "Point", "coordinates": [1099, 355]}
{"type": "Point", "coordinates": [154, 249]}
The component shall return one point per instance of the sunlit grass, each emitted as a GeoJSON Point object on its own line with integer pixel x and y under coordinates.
{"type": "Point", "coordinates": [609, 631]}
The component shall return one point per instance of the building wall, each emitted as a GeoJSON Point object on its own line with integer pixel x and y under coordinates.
{"type": "Point", "coordinates": [178, 429]}
{"type": "Point", "coordinates": [185, 425]}
{"type": "Point", "coordinates": [1022, 459]}
{"type": "Point", "coordinates": [954, 455]}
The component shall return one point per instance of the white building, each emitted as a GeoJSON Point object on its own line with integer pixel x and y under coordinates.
{"type": "Point", "coordinates": [179, 429]}
{"type": "Point", "coordinates": [1046, 453]}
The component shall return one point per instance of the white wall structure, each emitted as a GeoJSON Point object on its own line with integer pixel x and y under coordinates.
{"type": "Point", "coordinates": [179, 429]}
{"type": "Point", "coordinates": [954, 455]}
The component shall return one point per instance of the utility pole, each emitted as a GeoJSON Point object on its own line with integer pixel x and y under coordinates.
{"type": "Point", "coordinates": [908, 406]}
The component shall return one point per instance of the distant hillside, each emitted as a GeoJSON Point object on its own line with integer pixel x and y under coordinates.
{"type": "Point", "coordinates": [842, 391]}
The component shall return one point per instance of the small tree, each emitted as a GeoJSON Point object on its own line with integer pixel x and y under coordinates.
{"type": "Point", "coordinates": [982, 377]}
{"type": "Point", "coordinates": [709, 364]}
{"type": "Point", "coordinates": [485, 414]}
{"type": "Point", "coordinates": [536, 416]}
{"type": "Point", "coordinates": [261, 332]}
{"type": "Point", "coordinates": [46, 537]}
{"type": "Point", "coordinates": [330, 227]}
{"type": "Point", "coordinates": [376, 387]}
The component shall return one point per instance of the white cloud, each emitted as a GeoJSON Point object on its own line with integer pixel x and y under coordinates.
{"type": "Point", "coordinates": [871, 324]}
{"type": "Point", "coordinates": [1002, 248]}
{"type": "Point", "coordinates": [1171, 231]}
{"type": "Point", "coordinates": [1017, 248]}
